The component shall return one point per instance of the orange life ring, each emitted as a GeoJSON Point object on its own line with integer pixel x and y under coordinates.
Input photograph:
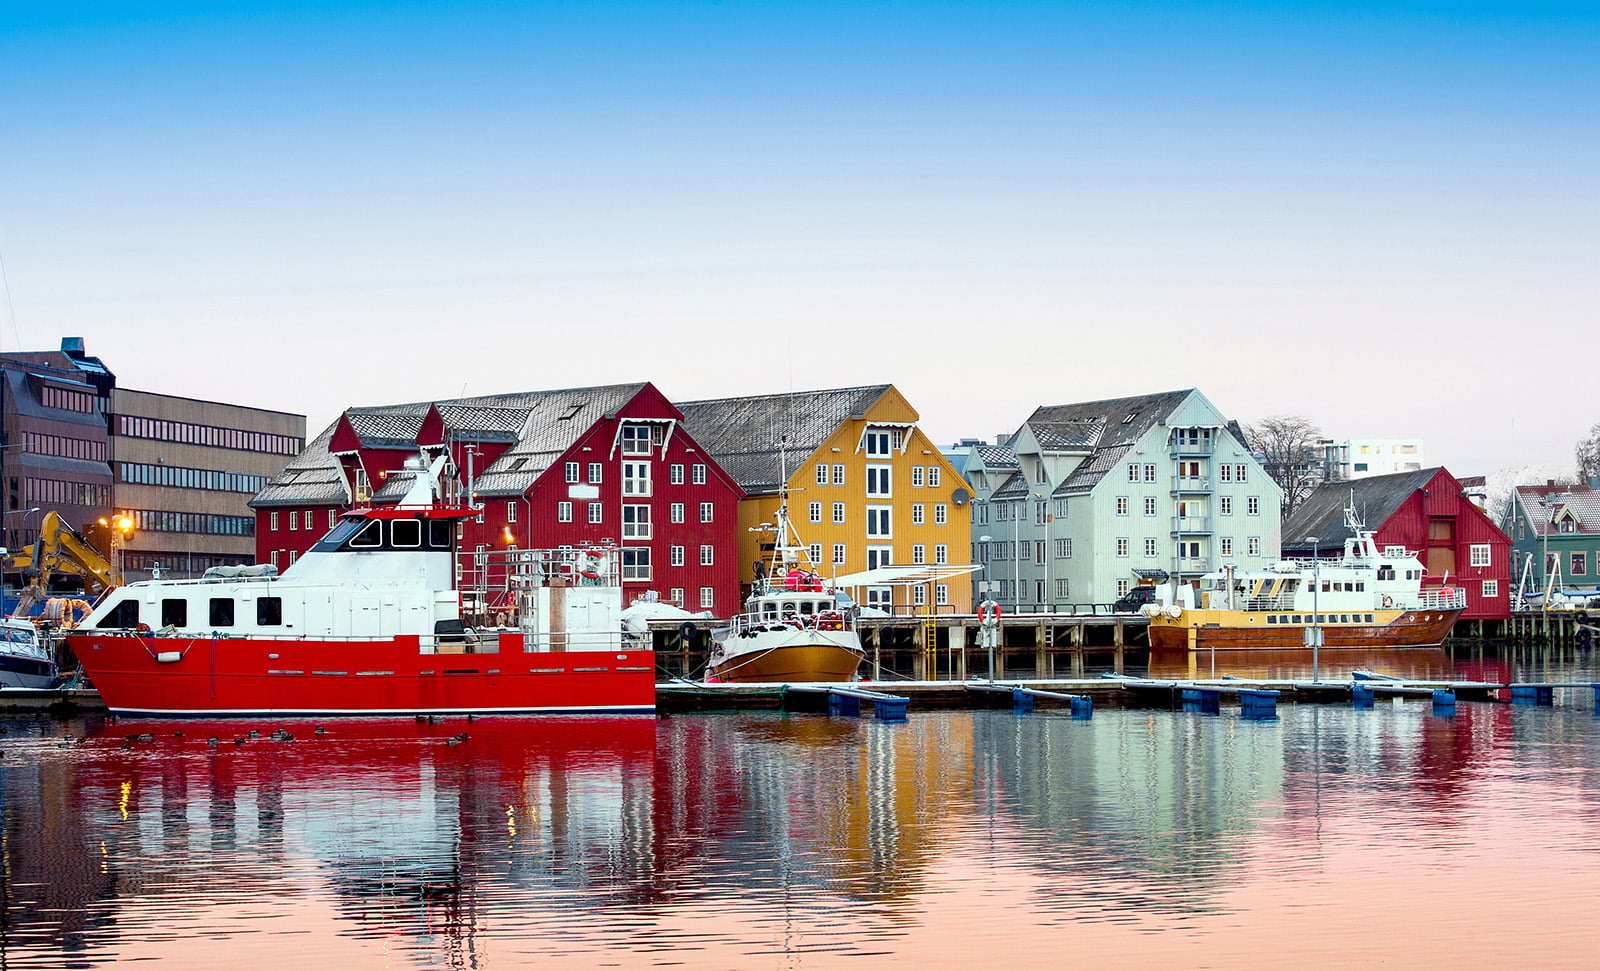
{"type": "Point", "coordinates": [1388, 602]}
{"type": "Point", "coordinates": [988, 613]}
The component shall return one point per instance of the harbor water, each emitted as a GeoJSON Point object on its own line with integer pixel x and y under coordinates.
{"type": "Point", "coordinates": [1328, 837]}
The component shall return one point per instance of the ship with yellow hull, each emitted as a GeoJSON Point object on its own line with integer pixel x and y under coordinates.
{"type": "Point", "coordinates": [1366, 598]}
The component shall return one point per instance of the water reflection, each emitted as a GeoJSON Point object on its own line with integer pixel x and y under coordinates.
{"type": "Point", "coordinates": [714, 840]}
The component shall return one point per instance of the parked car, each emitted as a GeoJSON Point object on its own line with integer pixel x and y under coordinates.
{"type": "Point", "coordinates": [1134, 599]}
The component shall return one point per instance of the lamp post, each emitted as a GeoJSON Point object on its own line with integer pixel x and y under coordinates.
{"type": "Point", "coordinates": [24, 513]}
{"type": "Point", "coordinates": [1314, 635]}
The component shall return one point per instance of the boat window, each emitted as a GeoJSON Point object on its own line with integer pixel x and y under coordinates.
{"type": "Point", "coordinates": [405, 533]}
{"type": "Point", "coordinates": [440, 534]}
{"type": "Point", "coordinates": [269, 611]}
{"type": "Point", "coordinates": [336, 537]}
{"type": "Point", "coordinates": [1369, 618]}
{"type": "Point", "coordinates": [1361, 585]}
{"type": "Point", "coordinates": [124, 614]}
{"type": "Point", "coordinates": [807, 607]}
{"type": "Point", "coordinates": [1272, 618]}
{"type": "Point", "coordinates": [221, 611]}
{"type": "Point", "coordinates": [174, 613]}
{"type": "Point", "coordinates": [769, 610]}
{"type": "Point", "coordinates": [370, 536]}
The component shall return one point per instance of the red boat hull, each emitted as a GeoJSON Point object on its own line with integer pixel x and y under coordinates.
{"type": "Point", "coordinates": [147, 675]}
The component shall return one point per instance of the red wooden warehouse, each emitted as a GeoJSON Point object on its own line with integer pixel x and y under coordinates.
{"type": "Point", "coordinates": [608, 468]}
{"type": "Point", "coordinates": [1425, 511]}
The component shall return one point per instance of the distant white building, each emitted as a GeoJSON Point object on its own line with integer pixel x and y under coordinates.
{"type": "Point", "coordinates": [1357, 458]}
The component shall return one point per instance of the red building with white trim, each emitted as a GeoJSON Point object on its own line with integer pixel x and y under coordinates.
{"type": "Point", "coordinates": [609, 468]}
{"type": "Point", "coordinates": [1427, 512]}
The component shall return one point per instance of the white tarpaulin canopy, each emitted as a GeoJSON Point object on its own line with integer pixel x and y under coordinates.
{"type": "Point", "coordinates": [905, 576]}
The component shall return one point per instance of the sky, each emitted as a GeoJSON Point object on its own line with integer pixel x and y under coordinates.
{"type": "Point", "coordinates": [1381, 216]}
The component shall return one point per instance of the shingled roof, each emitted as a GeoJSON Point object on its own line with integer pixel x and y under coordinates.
{"type": "Point", "coordinates": [1582, 500]}
{"type": "Point", "coordinates": [1375, 498]}
{"type": "Point", "coordinates": [1103, 429]}
{"type": "Point", "coordinates": [747, 436]}
{"type": "Point", "coordinates": [539, 424]}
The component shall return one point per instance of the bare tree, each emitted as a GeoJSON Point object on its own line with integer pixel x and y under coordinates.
{"type": "Point", "coordinates": [1588, 455]}
{"type": "Point", "coordinates": [1288, 447]}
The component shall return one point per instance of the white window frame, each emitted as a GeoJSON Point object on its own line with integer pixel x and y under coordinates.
{"type": "Point", "coordinates": [880, 482]}
{"type": "Point", "coordinates": [1491, 589]}
{"type": "Point", "coordinates": [838, 554]}
{"type": "Point", "coordinates": [919, 554]}
{"type": "Point", "coordinates": [708, 598]}
{"type": "Point", "coordinates": [675, 512]}
{"type": "Point", "coordinates": [564, 511]}
{"type": "Point", "coordinates": [933, 477]}
{"type": "Point", "coordinates": [1224, 545]}
{"type": "Point", "coordinates": [635, 521]}
{"type": "Point", "coordinates": [677, 555]}
{"type": "Point", "coordinates": [814, 511]}
{"type": "Point", "coordinates": [597, 512]}
{"type": "Point", "coordinates": [708, 554]}
{"type": "Point", "coordinates": [916, 476]}
{"type": "Point", "coordinates": [941, 514]}
{"type": "Point", "coordinates": [880, 522]}
{"type": "Point", "coordinates": [597, 473]}
{"type": "Point", "coordinates": [917, 513]}
{"type": "Point", "coordinates": [1479, 554]}
{"type": "Point", "coordinates": [941, 553]}
{"type": "Point", "coordinates": [708, 510]}
{"type": "Point", "coordinates": [1122, 546]}
{"type": "Point", "coordinates": [838, 514]}
{"type": "Point", "coordinates": [635, 564]}
{"type": "Point", "coordinates": [697, 473]}
{"type": "Point", "coordinates": [1064, 548]}
{"type": "Point", "coordinates": [1253, 546]}
{"type": "Point", "coordinates": [1149, 505]}
{"type": "Point", "coordinates": [1150, 546]}
{"type": "Point", "coordinates": [1225, 505]}
{"type": "Point", "coordinates": [636, 478]}
{"type": "Point", "coordinates": [1122, 505]}
{"type": "Point", "coordinates": [675, 473]}
{"type": "Point", "coordinates": [570, 471]}
{"type": "Point", "coordinates": [822, 473]}
{"type": "Point", "coordinates": [838, 475]}
{"type": "Point", "coordinates": [1252, 505]}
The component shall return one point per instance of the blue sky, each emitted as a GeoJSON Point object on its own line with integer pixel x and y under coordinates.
{"type": "Point", "coordinates": [1382, 216]}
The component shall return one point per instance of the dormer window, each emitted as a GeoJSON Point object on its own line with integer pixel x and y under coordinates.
{"type": "Point", "coordinates": [636, 440]}
{"type": "Point", "coordinates": [882, 443]}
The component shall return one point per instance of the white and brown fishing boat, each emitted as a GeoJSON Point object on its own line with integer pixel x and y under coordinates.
{"type": "Point", "coordinates": [792, 627]}
{"type": "Point", "coordinates": [1367, 598]}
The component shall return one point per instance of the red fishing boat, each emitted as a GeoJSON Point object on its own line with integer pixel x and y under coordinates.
{"type": "Point", "coordinates": [373, 621]}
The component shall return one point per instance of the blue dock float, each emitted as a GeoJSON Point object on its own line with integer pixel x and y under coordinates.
{"type": "Point", "coordinates": [1202, 700]}
{"type": "Point", "coordinates": [1259, 705]}
{"type": "Point", "coordinates": [1444, 703]}
{"type": "Point", "coordinates": [1361, 696]}
{"type": "Point", "coordinates": [1537, 695]}
{"type": "Point", "coordinates": [844, 700]}
{"type": "Point", "coordinates": [1081, 706]}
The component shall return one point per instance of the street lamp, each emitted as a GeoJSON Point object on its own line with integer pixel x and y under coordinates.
{"type": "Point", "coordinates": [1314, 635]}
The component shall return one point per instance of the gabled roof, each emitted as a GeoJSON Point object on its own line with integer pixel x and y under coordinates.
{"type": "Point", "coordinates": [1105, 430]}
{"type": "Point", "coordinates": [539, 425]}
{"type": "Point", "coordinates": [748, 437]}
{"type": "Point", "coordinates": [997, 457]}
{"type": "Point", "coordinates": [1375, 498]}
{"type": "Point", "coordinates": [1541, 505]}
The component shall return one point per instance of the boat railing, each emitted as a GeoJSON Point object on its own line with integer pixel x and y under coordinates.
{"type": "Point", "coordinates": [497, 572]}
{"type": "Point", "coordinates": [758, 621]}
{"type": "Point", "coordinates": [1278, 601]}
{"type": "Point", "coordinates": [1442, 598]}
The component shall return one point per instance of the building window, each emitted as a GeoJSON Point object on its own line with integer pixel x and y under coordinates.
{"type": "Point", "coordinates": [635, 522]}
{"type": "Point", "coordinates": [1479, 554]}
{"type": "Point", "coordinates": [814, 511]}
{"type": "Point", "coordinates": [675, 595]}
{"type": "Point", "coordinates": [1149, 473]}
{"type": "Point", "coordinates": [676, 512]}
{"type": "Point", "coordinates": [822, 473]}
{"type": "Point", "coordinates": [707, 510]}
{"type": "Point", "coordinates": [919, 554]}
{"type": "Point", "coordinates": [916, 513]}
{"type": "Point", "coordinates": [1252, 505]}
{"type": "Point", "coordinates": [1491, 589]}
{"type": "Point", "coordinates": [933, 477]}
{"type": "Point", "coordinates": [274, 521]}
{"type": "Point", "coordinates": [1580, 564]}
{"type": "Point", "coordinates": [1122, 505]}
{"type": "Point", "coordinates": [1149, 546]}
{"type": "Point", "coordinates": [294, 520]}
{"type": "Point", "coordinates": [1038, 553]}
{"type": "Point", "coordinates": [838, 514]}
{"type": "Point", "coordinates": [708, 598]}
{"type": "Point", "coordinates": [916, 476]}
{"type": "Point", "coordinates": [838, 475]}
{"type": "Point", "coordinates": [838, 554]}
{"type": "Point", "coordinates": [676, 555]}
{"type": "Point", "coordinates": [1225, 545]}
{"type": "Point", "coordinates": [1224, 473]}
{"type": "Point", "coordinates": [511, 511]}
{"type": "Point", "coordinates": [595, 470]}
{"type": "Point", "coordinates": [1133, 473]}
{"type": "Point", "coordinates": [635, 439]}
{"type": "Point", "coordinates": [814, 553]}
{"type": "Point", "coordinates": [1225, 505]}
{"type": "Point", "coordinates": [1149, 505]}
{"type": "Point", "coordinates": [941, 593]}
{"type": "Point", "coordinates": [708, 555]}
{"type": "Point", "coordinates": [1253, 546]}
{"type": "Point", "coordinates": [675, 474]}
{"type": "Point", "coordinates": [1122, 546]}
{"type": "Point", "coordinates": [1239, 472]}
{"type": "Point", "coordinates": [1061, 589]}
{"type": "Point", "coordinates": [635, 563]}
{"type": "Point", "coordinates": [881, 443]}
{"type": "Point", "coordinates": [595, 510]}
{"type": "Point", "coordinates": [697, 473]}
{"type": "Point", "coordinates": [636, 478]}
{"type": "Point", "coordinates": [941, 553]}
{"type": "Point", "coordinates": [571, 469]}
{"type": "Point", "coordinates": [878, 482]}
{"type": "Point", "coordinates": [879, 522]}
{"type": "Point", "coordinates": [941, 514]}
{"type": "Point", "coordinates": [1064, 548]}
{"type": "Point", "coordinates": [919, 596]}
{"type": "Point", "coordinates": [563, 512]}
{"type": "Point", "coordinates": [1122, 588]}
